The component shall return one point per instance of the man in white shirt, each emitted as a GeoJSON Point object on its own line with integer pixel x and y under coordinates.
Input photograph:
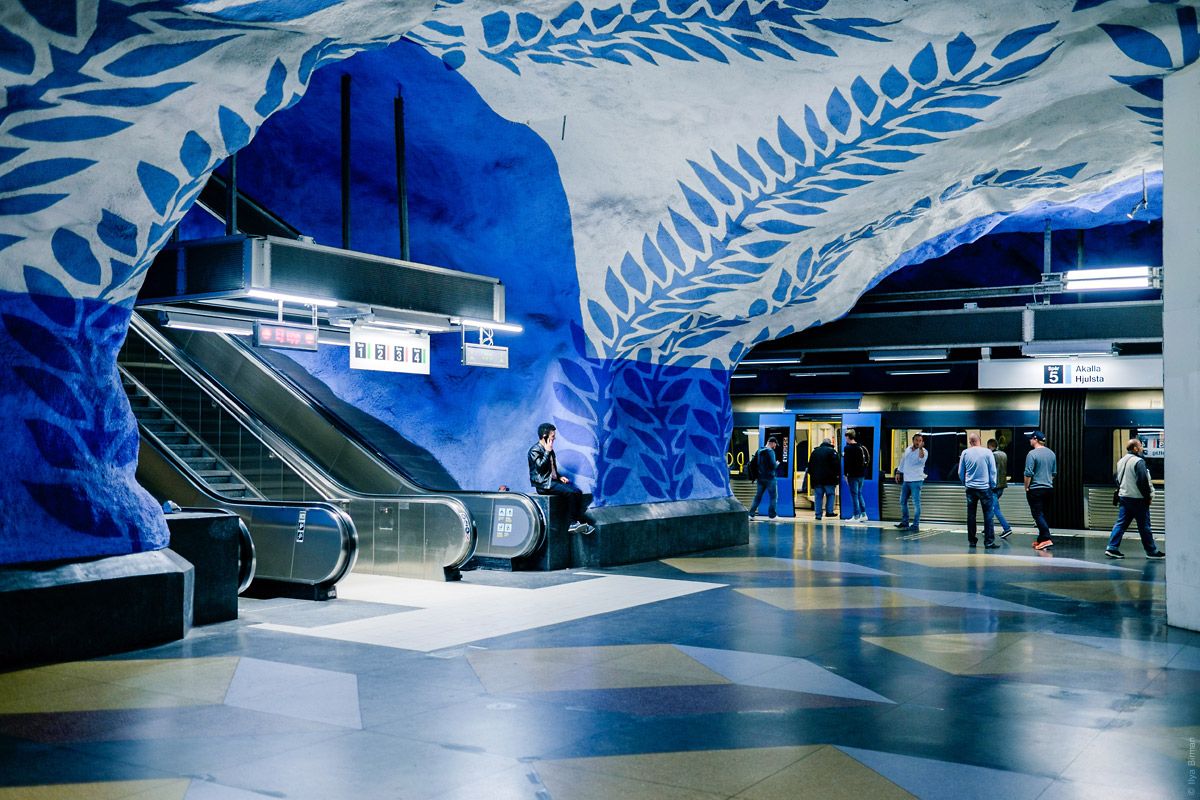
{"type": "Point", "coordinates": [910, 474]}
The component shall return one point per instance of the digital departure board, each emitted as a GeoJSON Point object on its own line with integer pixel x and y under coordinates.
{"type": "Point", "coordinates": [284, 336]}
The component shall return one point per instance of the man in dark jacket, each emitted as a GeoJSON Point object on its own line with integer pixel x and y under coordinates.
{"type": "Point", "coordinates": [546, 479]}
{"type": "Point", "coordinates": [855, 460]}
{"type": "Point", "coordinates": [824, 473]}
{"type": "Point", "coordinates": [767, 464]}
{"type": "Point", "coordinates": [1133, 501]}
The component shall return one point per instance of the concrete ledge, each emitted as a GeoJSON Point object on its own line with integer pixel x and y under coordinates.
{"type": "Point", "coordinates": [649, 531]}
{"type": "Point", "coordinates": [67, 612]}
{"type": "Point", "coordinates": [210, 540]}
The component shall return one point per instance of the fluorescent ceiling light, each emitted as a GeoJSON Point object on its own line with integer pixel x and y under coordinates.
{"type": "Point", "coordinates": [819, 374]}
{"type": "Point", "coordinates": [488, 324]}
{"type": "Point", "coordinates": [921, 354]}
{"type": "Point", "coordinates": [1106, 273]}
{"type": "Point", "coordinates": [750, 375]}
{"type": "Point", "coordinates": [264, 294]}
{"type": "Point", "coordinates": [1107, 283]}
{"type": "Point", "coordinates": [918, 371]}
{"type": "Point", "coordinates": [1069, 347]}
{"type": "Point", "coordinates": [402, 324]}
{"type": "Point", "coordinates": [771, 362]}
{"type": "Point", "coordinates": [216, 326]}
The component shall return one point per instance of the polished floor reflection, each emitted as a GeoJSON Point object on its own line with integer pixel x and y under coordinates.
{"type": "Point", "coordinates": [824, 660]}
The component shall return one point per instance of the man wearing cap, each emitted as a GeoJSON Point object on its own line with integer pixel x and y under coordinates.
{"type": "Point", "coordinates": [1040, 468]}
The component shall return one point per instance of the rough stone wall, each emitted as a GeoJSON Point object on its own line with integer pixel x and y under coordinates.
{"type": "Point", "coordinates": [732, 171]}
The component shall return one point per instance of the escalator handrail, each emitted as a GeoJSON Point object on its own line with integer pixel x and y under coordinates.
{"type": "Point", "coordinates": [297, 460]}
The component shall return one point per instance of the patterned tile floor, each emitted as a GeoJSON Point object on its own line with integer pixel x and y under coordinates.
{"type": "Point", "coordinates": [823, 660]}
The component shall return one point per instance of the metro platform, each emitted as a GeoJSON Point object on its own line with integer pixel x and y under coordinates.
{"type": "Point", "coordinates": [825, 660]}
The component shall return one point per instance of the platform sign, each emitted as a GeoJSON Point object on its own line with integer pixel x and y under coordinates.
{"type": "Point", "coordinates": [1101, 372]}
{"type": "Point", "coordinates": [285, 336]}
{"type": "Point", "coordinates": [389, 351]}
{"type": "Point", "coordinates": [485, 355]}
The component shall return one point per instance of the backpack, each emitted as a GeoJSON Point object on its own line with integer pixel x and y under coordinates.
{"type": "Point", "coordinates": [752, 468]}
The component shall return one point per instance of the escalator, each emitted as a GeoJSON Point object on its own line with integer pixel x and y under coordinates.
{"type": "Point", "coordinates": [202, 447]}
{"type": "Point", "coordinates": [276, 390]}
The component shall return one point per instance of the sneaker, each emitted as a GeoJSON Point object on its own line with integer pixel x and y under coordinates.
{"type": "Point", "coordinates": [992, 546]}
{"type": "Point", "coordinates": [1046, 545]}
{"type": "Point", "coordinates": [582, 528]}
{"type": "Point", "coordinates": [914, 527]}
{"type": "Point", "coordinates": [1114, 554]}
{"type": "Point", "coordinates": [972, 544]}
{"type": "Point", "coordinates": [901, 525]}
{"type": "Point", "coordinates": [1157, 555]}
{"type": "Point", "coordinates": [818, 519]}
{"type": "Point", "coordinates": [1006, 534]}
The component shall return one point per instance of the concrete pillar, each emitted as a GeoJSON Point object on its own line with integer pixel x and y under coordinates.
{"type": "Point", "coordinates": [1181, 342]}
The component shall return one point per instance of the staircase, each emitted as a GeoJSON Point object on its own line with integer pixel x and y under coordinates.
{"type": "Point", "coordinates": [159, 423]}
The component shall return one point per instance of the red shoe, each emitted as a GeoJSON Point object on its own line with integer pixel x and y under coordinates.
{"type": "Point", "coordinates": [1043, 545]}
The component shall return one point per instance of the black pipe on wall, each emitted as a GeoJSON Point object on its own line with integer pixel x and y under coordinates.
{"type": "Point", "coordinates": [401, 173]}
{"type": "Point", "coordinates": [346, 162]}
{"type": "Point", "coordinates": [231, 221]}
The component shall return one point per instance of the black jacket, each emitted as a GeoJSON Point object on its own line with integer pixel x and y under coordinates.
{"type": "Point", "coordinates": [542, 465]}
{"type": "Point", "coordinates": [855, 460]}
{"type": "Point", "coordinates": [824, 467]}
{"type": "Point", "coordinates": [767, 464]}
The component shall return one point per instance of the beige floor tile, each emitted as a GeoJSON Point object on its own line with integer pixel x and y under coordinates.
{"type": "Point", "coordinates": [566, 783]}
{"type": "Point", "coordinates": [587, 668]}
{"type": "Point", "coordinates": [723, 772]}
{"type": "Point", "coordinates": [813, 598]}
{"type": "Point", "coordinates": [1101, 591]}
{"type": "Point", "coordinates": [173, 789]}
{"type": "Point", "coordinates": [708, 566]}
{"type": "Point", "coordinates": [828, 774]}
{"type": "Point", "coordinates": [1042, 653]}
{"type": "Point", "coordinates": [93, 697]}
{"type": "Point", "coordinates": [956, 653]}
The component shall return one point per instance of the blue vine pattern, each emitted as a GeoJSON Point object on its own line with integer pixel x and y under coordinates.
{"type": "Point", "coordinates": [747, 206]}
{"type": "Point", "coordinates": [648, 31]}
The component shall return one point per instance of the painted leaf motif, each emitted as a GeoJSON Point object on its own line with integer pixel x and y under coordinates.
{"type": "Point", "coordinates": [699, 206]}
{"type": "Point", "coordinates": [686, 488]}
{"type": "Point", "coordinates": [1021, 66]}
{"type": "Point", "coordinates": [668, 247]}
{"type": "Point", "coordinates": [653, 467]}
{"type": "Point", "coordinates": [234, 129]}
{"type": "Point", "coordinates": [751, 166]}
{"type": "Point", "coordinates": [576, 434]}
{"type": "Point", "coordinates": [577, 375]}
{"type": "Point", "coordinates": [632, 273]}
{"type": "Point", "coordinates": [654, 490]}
{"type": "Point", "coordinates": [893, 83]}
{"type": "Point", "coordinates": [715, 186]}
{"type": "Point", "coordinates": [790, 141]}
{"type": "Point", "coordinates": [51, 297]}
{"type": "Point", "coordinates": [133, 97]}
{"type": "Point", "coordinates": [68, 504]}
{"type": "Point", "coordinates": [687, 232]}
{"type": "Point", "coordinates": [771, 157]}
{"type": "Point", "coordinates": [569, 399]}
{"type": "Point", "coordinates": [16, 54]}
{"type": "Point", "coordinates": [634, 410]}
{"type": "Point", "coordinates": [158, 184]}
{"type": "Point", "coordinates": [731, 174]}
{"type": "Point", "coordinates": [959, 53]}
{"type": "Point", "coordinates": [75, 256]}
{"type": "Point", "coordinates": [52, 391]}
{"type": "Point", "coordinates": [614, 481]}
{"type": "Point", "coordinates": [601, 318]}
{"type": "Point", "coordinates": [616, 292]}
{"type": "Point", "coordinates": [56, 445]}
{"type": "Point", "coordinates": [118, 233]}
{"type": "Point", "coordinates": [838, 111]}
{"type": "Point", "coordinates": [864, 96]}
{"type": "Point", "coordinates": [813, 126]}
{"type": "Point", "coordinates": [69, 129]}
{"type": "Point", "coordinates": [940, 121]}
{"type": "Point", "coordinates": [153, 59]}
{"type": "Point", "coordinates": [39, 173]}
{"type": "Point", "coordinates": [705, 445]}
{"type": "Point", "coordinates": [1019, 39]}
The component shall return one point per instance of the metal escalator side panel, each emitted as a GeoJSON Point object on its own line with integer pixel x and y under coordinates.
{"type": "Point", "coordinates": [510, 525]}
{"type": "Point", "coordinates": [414, 537]}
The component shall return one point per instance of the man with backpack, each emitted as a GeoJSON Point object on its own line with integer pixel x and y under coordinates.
{"type": "Point", "coordinates": [855, 460]}
{"type": "Point", "coordinates": [762, 470]}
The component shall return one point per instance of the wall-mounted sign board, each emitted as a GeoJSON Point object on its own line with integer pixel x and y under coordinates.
{"type": "Point", "coordinates": [1100, 372]}
{"type": "Point", "coordinates": [485, 355]}
{"type": "Point", "coordinates": [389, 351]}
{"type": "Point", "coordinates": [285, 336]}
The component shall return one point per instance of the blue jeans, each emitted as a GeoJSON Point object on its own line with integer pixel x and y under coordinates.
{"type": "Point", "coordinates": [824, 493]}
{"type": "Point", "coordinates": [1004, 526]}
{"type": "Point", "coordinates": [911, 489]}
{"type": "Point", "coordinates": [980, 497]}
{"type": "Point", "coordinates": [771, 487]}
{"type": "Point", "coordinates": [1128, 510]}
{"type": "Point", "coordinates": [857, 504]}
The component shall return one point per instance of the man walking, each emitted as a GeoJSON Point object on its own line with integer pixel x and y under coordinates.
{"type": "Point", "coordinates": [1133, 502]}
{"type": "Point", "coordinates": [1040, 468]}
{"type": "Point", "coordinates": [910, 474]}
{"type": "Point", "coordinates": [824, 472]}
{"type": "Point", "coordinates": [767, 462]}
{"type": "Point", "coordinates": [1001, 484]}
{"type": "Point", "coordinates": [977, 471]}
{"type": "Point", "coordinates": [855, 460]}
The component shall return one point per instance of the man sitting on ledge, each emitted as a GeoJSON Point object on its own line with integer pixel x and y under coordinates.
{"type": "Point", "coordinates": [546, 479]}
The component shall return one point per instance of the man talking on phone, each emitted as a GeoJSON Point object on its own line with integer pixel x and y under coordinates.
{"type": "Point", "coordinates": [546, 479]}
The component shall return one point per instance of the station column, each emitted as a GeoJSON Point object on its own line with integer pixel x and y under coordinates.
{"type": "Point", "coordinates": [1181, 341]}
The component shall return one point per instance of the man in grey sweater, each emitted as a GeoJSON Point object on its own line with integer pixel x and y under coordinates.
{"type": "Point", "coordinates": [977, 471]}
{"type": "Point", "coordinates": [1133, 502]}
{"type": "Point", "coordinates": [1040, 468]}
